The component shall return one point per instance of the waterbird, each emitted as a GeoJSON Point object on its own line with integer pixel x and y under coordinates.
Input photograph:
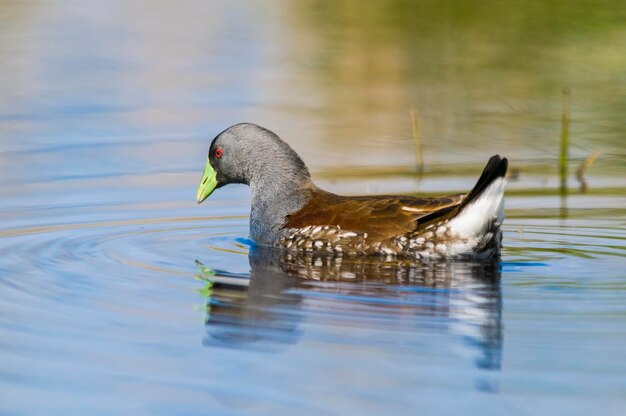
{"type": "Point", "coordinates": [290, 212]}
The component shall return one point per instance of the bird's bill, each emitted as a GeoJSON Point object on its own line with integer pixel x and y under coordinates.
{"type": "Point", "coordinates": [208, 183]}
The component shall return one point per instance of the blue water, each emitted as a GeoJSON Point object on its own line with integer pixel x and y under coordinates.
{"type": "Point", "coordinates": [119, 295]}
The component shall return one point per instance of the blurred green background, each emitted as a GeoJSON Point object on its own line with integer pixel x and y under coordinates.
{"type": "Point", "coordinates": [335, 79]}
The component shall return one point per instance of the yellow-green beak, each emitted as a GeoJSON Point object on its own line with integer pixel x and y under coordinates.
{"type": "Point", "coordinates": [207, 183]}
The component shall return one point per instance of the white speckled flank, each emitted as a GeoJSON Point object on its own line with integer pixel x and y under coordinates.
{"type": "Point", "coordinates": [323, 238]}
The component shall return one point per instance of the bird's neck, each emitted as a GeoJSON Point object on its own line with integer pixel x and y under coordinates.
{"type": "Point", "coordinates": [275, 195]}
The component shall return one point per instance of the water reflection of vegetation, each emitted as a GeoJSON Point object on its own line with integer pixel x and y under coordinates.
{"type": "Point", "coordinates": [610, 165]}
{"type": "Point", "coordinates": [487, 73]}
{"type": "Point", "coordinates": [266, 308]}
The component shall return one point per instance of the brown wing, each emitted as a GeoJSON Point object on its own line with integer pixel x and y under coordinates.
{"type": "Point", "coordinates": [381, 217]}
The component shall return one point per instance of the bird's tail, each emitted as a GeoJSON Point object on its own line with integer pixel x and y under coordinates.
{"type": "Point", "coordinates": [472, 228]}
{"type": "Point", "coordinates": [494, 170]}
{"type": "Point", "coordinates": [480, 214]}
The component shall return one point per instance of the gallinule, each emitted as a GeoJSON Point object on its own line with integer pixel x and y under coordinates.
{"type": "Point", "coordinates": [291, 212]}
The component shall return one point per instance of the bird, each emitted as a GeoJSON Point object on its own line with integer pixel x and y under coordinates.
{"type": "Point", "coordinates": [289, 211]}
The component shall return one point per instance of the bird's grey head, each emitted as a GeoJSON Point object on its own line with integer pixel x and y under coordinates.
{"type": "Point", "coordinates": [250, 154]}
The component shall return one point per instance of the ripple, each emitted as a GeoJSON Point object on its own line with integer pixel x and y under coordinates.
{"type": "Point", "coordinates": [113, 250]}
{"type": "Point", "coordinates": [589, 239]}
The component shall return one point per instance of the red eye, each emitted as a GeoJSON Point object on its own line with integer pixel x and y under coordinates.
{"type": "Point", "coordinates": [219, 152]}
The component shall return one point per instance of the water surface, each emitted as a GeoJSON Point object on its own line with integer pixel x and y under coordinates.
{"type": "Point", "coordinates": [118, 294]}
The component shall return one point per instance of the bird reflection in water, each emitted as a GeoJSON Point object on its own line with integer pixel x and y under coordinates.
{"type": "Point", "coordinates": [264, 309]}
